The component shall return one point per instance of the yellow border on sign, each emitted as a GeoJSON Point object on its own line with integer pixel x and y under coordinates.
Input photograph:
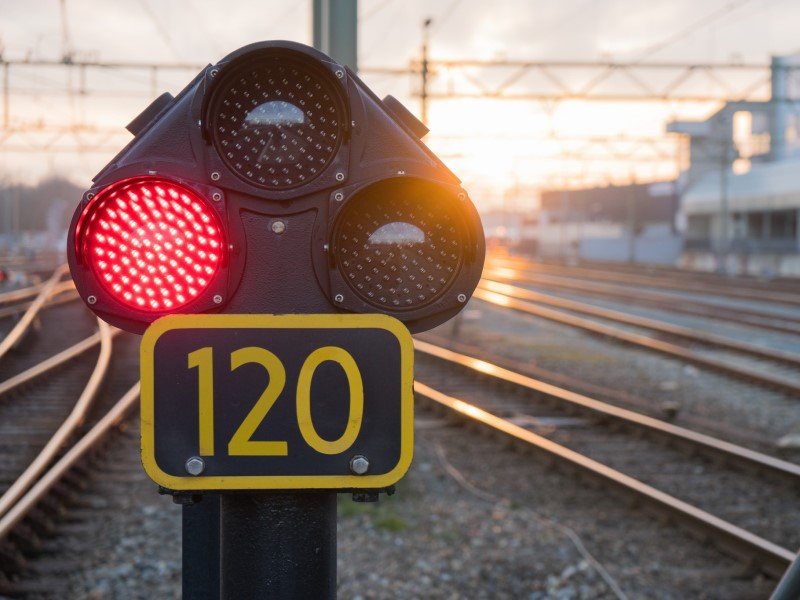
{"type": "Point", "coordinates": [276, 482]}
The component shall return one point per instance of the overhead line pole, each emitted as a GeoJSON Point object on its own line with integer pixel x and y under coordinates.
{"type": "Point", "coordinates": [423, 95]}
{"type": "Point", "coordinates": [6, 97]}
{"type": "Point", "coordinates": [335, 30]}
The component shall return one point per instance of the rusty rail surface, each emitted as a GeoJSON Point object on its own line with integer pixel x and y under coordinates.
{"type": "Point", "coordinates": [686, 333]}
{"type": "Point", "coordinates": [62, 292]}
{"type": "Point", "coordinates": [53, 362]}
{"type": "Point", "coordinates": [776, 297]}
{"type": "Point", "coordinates": [18, 331]}
{"type": "Point", "coordinates": [73, 421]}
{"type": "Point", "coordinates": [763, 319]}
{"type": "Point", "coordinates": [772, 558]}
{"type": "Point", "coordinates": [21, 293]}
{"type": "Point", "coordinates": [701, 441]}
{"type": "Point", "coordinates": [42, 486]}
{"type": "Point", "coordinates": [790, 386]}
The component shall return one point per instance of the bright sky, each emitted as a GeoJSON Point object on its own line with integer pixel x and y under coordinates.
{"type": "Point", "coordinates": [492, 145]}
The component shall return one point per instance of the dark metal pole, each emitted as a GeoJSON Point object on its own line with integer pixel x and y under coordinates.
{"type": "Point", "coordinates": [425, 71]}
{"type": "Point", "coordinates": [631, 217]}
{"type": "Point", "coordinates": [789, 586]}
{"type": "Point", "coordinates": [724, 203]}
{"type": "Point", "coordinates": [335, 30]}
{"type": "Point", "coordinates": [278, 545]}
{"type": "Point", "coordinates": [200, 578]}
{"type": "Point", "coordinates": [6, 97]}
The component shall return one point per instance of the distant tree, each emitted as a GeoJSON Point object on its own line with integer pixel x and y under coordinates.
{"type": "Point", "coordinates": [45, 206]}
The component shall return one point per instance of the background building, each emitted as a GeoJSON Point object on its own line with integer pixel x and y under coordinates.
{"type": "Point", "coordinates": [624, 223]}
{"type": "Point", "coordinates": [740, 196]}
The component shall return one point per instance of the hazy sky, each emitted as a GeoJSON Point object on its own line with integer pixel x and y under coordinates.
{"type": "Point", "coordinates": [202, 31]}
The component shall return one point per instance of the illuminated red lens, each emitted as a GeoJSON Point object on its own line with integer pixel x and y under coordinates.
{"type": "Point", "coordinates": [152, 244]}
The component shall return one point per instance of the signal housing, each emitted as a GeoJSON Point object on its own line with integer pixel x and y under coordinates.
{"type": "Point", "coordinates": [308, 149]}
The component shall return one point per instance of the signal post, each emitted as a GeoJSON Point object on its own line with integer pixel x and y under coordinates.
{"type": "Point", "coordinates": [276, 231]}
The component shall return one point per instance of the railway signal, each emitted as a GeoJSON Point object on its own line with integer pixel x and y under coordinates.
{"type": "Point", "coordinates": [275, 182]}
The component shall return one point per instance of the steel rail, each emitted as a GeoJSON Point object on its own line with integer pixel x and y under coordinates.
{"type": "Point", "coordinates": [740, 281]}
{"type": "Point", "coordinates": [74, 420]}
{"type": "Point", "coordinates": [63, 292]}
{"type": "Point", "coordinates": [51, 363]}
{"type": "Point", "coordinates": [20, 294]}
{"type": "Point", "coordinates": [16, 333]}
{"type": "Point", "coordinates": [701, 441]}
{"type": "Point", "coordinates": [792, 299]}
{"type": "Point", "coordinates": [771, 557]}
{"type": "Point", "coordinates": [686, 333]}
{"type": "Point", "coordinates": [33, 268]}
{"type": "Point", "coordinates": [615, 396]}
{"type": "Point", "coordinates": [90, 440]}
{"type": "Point", "coordinates": [10, 311]}
{"type": "Point", "coordinates": [792, 386]}
{"type": "Point", "coordinates": [754, 318]}
{"type": "Point", "coordinates": [559, 278]}
{"type": "Point", "coordinates": [16, 260]}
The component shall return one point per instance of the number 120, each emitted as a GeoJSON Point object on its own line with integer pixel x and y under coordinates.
{"type": "Point", "coordinates": [241, 443]}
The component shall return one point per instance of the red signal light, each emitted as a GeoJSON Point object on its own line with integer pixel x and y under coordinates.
{"type": "Point", "coordinates": [152, 244]}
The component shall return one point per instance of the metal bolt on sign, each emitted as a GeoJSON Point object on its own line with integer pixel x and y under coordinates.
{"type": "Point", "coordinates": [359, 464]}
{"type": "Point", "coordinates": [195, 465]}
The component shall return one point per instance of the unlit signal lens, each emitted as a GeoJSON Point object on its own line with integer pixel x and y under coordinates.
{"type": "Point", "coordinates": [400, 244]}
{"type": "Point", "coordinates": [277, 121]}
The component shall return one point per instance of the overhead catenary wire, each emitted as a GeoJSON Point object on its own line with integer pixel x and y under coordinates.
{"type": "Point", "coordinates": [700, 23]}
{"type": "Point", "coordinates": [162, 32]}
{"type": "Point", "coordinates": [448, 12]}
{"type": "Point", "coordinates": [366, 16]}
{"type": "Point", "coordinates": [294, 5]}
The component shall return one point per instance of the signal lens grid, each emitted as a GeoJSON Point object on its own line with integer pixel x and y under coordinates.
{"type": "Point", "coordinates": [400, 245]}
{"type": "Point", "coordinates": [153, 245]}
{"type": "Point", "coordinates": [277, 121]}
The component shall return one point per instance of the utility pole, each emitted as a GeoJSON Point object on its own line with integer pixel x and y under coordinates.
{"type": "Point", "coordinates": [6, 97]}
{"type": "Point", "coordinates": [724, 247]}
{"type": "Point", "coordinates": [15, 224]}
{"type": "Point", "coordinates": [426, 25]}
{"type": "Point", "coordinates": [66, 41]}
{"type": "Point", "coordinates": [631, 217]}
{"type": "Point", "coordinates": [564, 243]}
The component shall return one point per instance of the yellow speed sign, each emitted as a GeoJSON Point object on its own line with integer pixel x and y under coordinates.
{"type": "Point", "coordinates": [277, 402]}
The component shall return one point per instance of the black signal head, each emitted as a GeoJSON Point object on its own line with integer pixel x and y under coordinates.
{"type": "Point", "coordinates": [322, 196]}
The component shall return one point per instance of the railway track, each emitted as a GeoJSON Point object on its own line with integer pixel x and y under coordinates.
{"type": "Point", "coordinates": [644, 458]}
{"type": "Point", "coordinates": [682, 475]}
{"type": "Point", "coordinates": [29, 302]}
{"type": "Point", "coordinates": [58, 402]}
{"type": "Point", "coordinates": [748, 362]}
{"type": "Point", "coordinates": [19, 301]}
{"type": "Point", "coordinates": [741, 500]}
{"type": "Point", "coordinates": [759, 294]}
{"type": "Point", "coordinates": [40, 264]}
{"type": "Point", "coordinates": [660, 300]}
{"type": "Point", "coordinates": [752, 282]}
